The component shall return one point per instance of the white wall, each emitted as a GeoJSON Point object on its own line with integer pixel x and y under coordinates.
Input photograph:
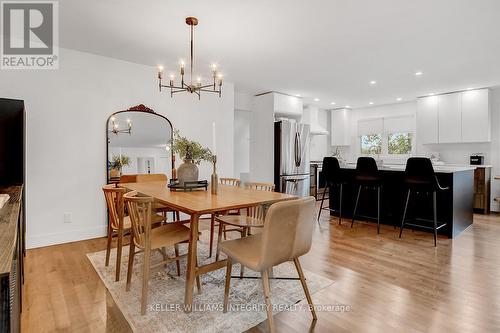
{"type": "Point", "coordinates": [66, 146]}
{"type": "Point", "coordinates": [242, 121]}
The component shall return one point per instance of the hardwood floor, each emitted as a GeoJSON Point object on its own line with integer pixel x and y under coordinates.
{"type": "Point", "coordinates": [390, 284]}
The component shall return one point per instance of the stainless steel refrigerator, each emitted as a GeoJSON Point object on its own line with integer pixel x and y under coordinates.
{"type": "Point", "coordinates": [291, 158]}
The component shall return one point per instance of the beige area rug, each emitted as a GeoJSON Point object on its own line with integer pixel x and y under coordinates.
{"type": "Point", "coordinates": [166, 294]}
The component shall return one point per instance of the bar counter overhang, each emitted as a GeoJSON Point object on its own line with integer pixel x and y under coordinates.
{"type": "Point", "coordinates": [454, 205]}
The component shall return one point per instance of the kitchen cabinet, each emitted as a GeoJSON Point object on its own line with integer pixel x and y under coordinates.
{"type": "Point", "coordinates": [341, 127]}
{"type": "Point", "coordinates": [454, 117]}
{"type": "Point", "coordinates": [476, 119]}
{"type": "Point", "coordinates": [427, 119]}
{"type": "Point", "coordinates": [449, 118]}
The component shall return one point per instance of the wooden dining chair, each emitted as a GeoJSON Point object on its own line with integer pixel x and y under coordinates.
{"type": "Point", "coordinates": [230, 181]}
{"type": "Point", "coordinates": [146, 239]}
{"type": "Point", "coordinates": [287, 235]}
{"type": "Point", "coordinates": [118, 223]}
{"type": "Point", "coordinates": [223, 181]}
{"type": "Point", "coordinates": [243, 223]}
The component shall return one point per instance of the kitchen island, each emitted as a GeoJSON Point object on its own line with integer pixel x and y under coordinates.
{"type": "Point", "coordinates": [454, 205]}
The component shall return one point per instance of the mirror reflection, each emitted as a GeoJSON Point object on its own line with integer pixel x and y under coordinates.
{"type": "Point", "coordinates": [138, 143]}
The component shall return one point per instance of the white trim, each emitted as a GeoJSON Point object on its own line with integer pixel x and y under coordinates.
{"type": "Point", "coordinates": [65, 237]}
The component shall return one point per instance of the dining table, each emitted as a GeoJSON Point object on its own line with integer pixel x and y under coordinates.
{"type": "Point", "coordinates": [196, 203]}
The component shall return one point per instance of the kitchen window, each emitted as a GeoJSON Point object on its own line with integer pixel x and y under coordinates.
{"type": "Point", "coordinates": [371, 144]}
{"type": "Point", "coordinates": [399, 143]}
{"type": "Point", "coordinates": [391, 137]}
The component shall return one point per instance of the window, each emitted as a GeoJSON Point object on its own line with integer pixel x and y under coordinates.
{"type": "Point", "coordinates": [371, 144]}
{"type": "Point", "coordinates": [399, 143]}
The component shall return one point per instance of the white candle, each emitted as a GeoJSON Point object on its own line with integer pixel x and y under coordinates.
{"type": "Point", "coordinates": [214, 147]}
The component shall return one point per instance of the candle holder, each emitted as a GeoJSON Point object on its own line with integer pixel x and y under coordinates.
{"type": "Point", "coordinates": [214, 184]}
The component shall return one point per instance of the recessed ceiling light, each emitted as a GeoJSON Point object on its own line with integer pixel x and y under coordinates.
{"type": "Point", "coordinates": [418, 73]}
{"type": "Point", "coordinates": [347, 107]}
{"type": "Point", "coordinates": [432, 94]}
{"type": "Point", "coordinates": [371, 103]}
{"type": "Point", "coordinates": [332, 103]}
{"type": "Point", "coordinates": [316, 99]}
{"type": "Point", "coordinates": [399, 99]}
{"type": "Point", "coordinates": [298, 95]}
{"type": "Point", "coordinates": [373, 82]}
{"type": "Point", "coordinates": [469, 88]}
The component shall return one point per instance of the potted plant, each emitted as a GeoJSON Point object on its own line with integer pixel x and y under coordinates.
{"type": "Point", "coordinates": [116, 165]}
{"type": "Point", "coordinates": [192, 153]}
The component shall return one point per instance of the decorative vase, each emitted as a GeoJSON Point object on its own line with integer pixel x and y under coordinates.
{"type": "Point", "coordinates": [187, 172]}
{"type": "Point", "coordinates": [114, 173]}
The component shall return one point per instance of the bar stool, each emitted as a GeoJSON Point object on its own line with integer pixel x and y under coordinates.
{"type": "Point", "coordinates": [420, 178]}
{"type": "Point", "coordinates": [332, 175]}
{"type": "Point", "coordinates": [367, 176]}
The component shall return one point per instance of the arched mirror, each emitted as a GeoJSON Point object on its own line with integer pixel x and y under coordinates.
{"type": "Point", "coordinates": [138, 142]}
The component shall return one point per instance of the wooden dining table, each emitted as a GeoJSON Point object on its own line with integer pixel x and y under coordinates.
{"type": "Point", "coordinates": [201, 202]}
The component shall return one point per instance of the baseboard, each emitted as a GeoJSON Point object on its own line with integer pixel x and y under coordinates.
{"type": "Point", "coordinates": [64, 237]}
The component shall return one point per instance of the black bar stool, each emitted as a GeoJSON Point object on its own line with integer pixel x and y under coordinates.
{"type": "Point", "coordinates": [420, 178]}
{"type": "Point", "coordinates": [367, 176]}
{"type": "Point", "coordinates": [333, 176]}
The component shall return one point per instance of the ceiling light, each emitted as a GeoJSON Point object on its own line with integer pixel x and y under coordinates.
{"type": "Point", "coordinates": [213, 86]}
{"type": "Point", "coordinates": [347, 107]}
{"type": "Point", "coordinates": [371, 103]}
{"type": "Point", "coordinates": [469, 88]}
{"type": "Point", "coordinates": [432, 94]}
{"type": "Point", "coordinates": [298, 95]}
{"type": "Point", "coordinates": [373, 82]}
{"type": "Point", "coordinates": [399, 99]}
{"type": "Point", "coordinates": [332, 103]}
{"type": "Point", "coordinates": [418, 73]}
{"type": "Point", "coordinates": [316, 99]}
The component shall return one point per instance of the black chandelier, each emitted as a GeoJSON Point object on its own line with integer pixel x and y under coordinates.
{"type": "Point", "coordinates": [192, 87]}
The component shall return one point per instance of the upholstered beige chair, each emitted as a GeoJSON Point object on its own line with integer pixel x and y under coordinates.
{"type": "Point", "coordinates": [287, 235]}
{"type": "Point", "coordinates": [146, 240]}
{"type": "Point", "coordinates": [118, 224]}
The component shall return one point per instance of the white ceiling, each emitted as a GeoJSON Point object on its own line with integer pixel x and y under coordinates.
{"type": "Point", "coordinates": [327, 49]}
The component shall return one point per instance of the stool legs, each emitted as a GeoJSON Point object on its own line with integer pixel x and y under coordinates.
{"type": "Point", "coordinates": [434, 208]}
{"type": "Point", "coordinates": [322, 200]}
{"type": "Point", "coordinates": [356, 206]}
{"type": "Point", "coordinates": [378, 210]}
{"type": "Point", "coordinates": [404, 213]}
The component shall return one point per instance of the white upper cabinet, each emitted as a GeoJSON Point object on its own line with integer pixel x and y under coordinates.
{"type": "Point", "coordinates": [476, 117]}
{"type": "Point", "coordinates": [449, 118]}
{"type": "Point", "coordinates": [454, 118]}
{"type": "Point", "coordinates": [287, 106]}
{"type": "Point", "coordinates": [427, 119]}
{"type": "Point", "coordinates": [341, 127]}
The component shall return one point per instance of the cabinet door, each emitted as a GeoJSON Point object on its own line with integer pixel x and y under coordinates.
{"type": "Point", "coordinates": [427, 119]}
{"type": "Point", "coordinates": [450, 118]}
{"type": "Point", "coordinates": [476, 122]}
{"type": "Point", "coordinates": [341, 128]}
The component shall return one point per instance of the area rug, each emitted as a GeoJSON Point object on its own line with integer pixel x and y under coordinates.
{"type": "Point", "coordinates": [166, 294]}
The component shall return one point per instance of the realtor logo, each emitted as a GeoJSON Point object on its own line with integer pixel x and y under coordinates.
{"type": "Point", "coordinates": [29, 35]}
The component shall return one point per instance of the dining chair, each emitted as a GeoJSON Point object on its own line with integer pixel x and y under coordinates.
{"type": "Point", "coordinates": [230, 181]}
{"type": "Point", "coordinates": [147, 239]}
{"type": "Point", "coordinates": [223, 181]}
{"type": "Point", "coordinates": [152, 177]}
{"type": "Point", "coordinates": [118, 223]}
{"type": "Point", "coordinates": [286, 236]}
{"type": "Point", "coordinates": [243, 223]}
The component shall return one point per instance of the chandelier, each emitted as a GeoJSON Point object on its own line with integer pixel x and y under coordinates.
{"type": "Point", "coordinates": [192, 87]}
{"type": "Point", "coordinates": [115, 127]}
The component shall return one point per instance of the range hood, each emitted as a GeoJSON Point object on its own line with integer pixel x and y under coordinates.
{"type": "Point", "coordinates": [310, 116]}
